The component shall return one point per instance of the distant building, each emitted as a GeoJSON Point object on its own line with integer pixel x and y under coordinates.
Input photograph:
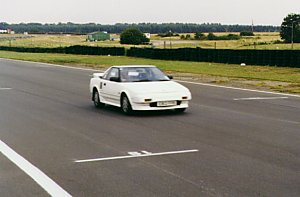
{"type": "Point", "coordinates": [3, 31]}
{"type": "Point", "coordinates": [6, 31]}
{"type": "Point", "coordinates": [98, 36]}
{"type": "Point", "coordinates": [148, 35]}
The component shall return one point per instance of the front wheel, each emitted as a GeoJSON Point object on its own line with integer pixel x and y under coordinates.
{"type": "Point", "coordinates": [96, 99]}
{"type": "Point", "coordinates": [125, 105]}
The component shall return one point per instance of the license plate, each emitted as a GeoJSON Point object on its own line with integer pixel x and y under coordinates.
{"type": "Point", "coordinates": [166, 103]}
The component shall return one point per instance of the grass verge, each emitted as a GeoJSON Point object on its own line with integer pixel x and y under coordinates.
{"type": "Point", "coordinates": [275, 78]}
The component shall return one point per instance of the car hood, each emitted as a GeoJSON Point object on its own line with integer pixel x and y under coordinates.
{"type": "Point", "coordinates": [155, 87]}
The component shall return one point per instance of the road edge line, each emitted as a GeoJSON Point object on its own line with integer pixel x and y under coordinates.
{"type": "Point", "coordinates": [195, 83]}
{"type": "Point", "coordinates": [36, 174]}
{"type": "Point", "coordinates": [243, 89]}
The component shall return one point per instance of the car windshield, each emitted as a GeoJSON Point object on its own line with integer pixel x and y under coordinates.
{"type": "Point", "coordinates": [142, 74]}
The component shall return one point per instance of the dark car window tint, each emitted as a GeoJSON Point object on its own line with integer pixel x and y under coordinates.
{"type": "Point", "coordinates": [140, 74]}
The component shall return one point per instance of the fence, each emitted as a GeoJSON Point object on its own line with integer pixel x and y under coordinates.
{"type": "Point", "coordinates": [83, 50]}
{"type": "Point", "coordinates": [284, 58]}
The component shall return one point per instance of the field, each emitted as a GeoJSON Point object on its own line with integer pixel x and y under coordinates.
{"type": "Point", "coordinates": [258, 77]}
{"type": "Point", "coordinates": [259, 41]}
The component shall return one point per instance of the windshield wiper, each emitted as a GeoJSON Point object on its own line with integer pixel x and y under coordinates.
{"type": "Point", "coordinates": [143, 80]}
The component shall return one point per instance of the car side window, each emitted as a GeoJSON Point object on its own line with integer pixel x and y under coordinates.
{"type": "Point", "coordinates": [114, 72]}
{"type": "Point", "coordinates": [106, 73]}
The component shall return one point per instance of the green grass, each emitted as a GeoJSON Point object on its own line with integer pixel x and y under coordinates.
{"type": "Point", "coordinates": [243, 43]}
{"type": "Point", "coordinates": [231, 72]}
{"type": "Point", "coordinates": [291, 75]}
{"type": "Point", "coordinates": [51, 41]}
{"type": "Point", "coordinates": [158, 42]}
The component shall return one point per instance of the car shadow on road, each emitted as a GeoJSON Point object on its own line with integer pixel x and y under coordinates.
{"type": "Point", "coordinates": [112, 110]}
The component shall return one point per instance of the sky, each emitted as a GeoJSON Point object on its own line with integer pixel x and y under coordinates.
{"type": "Point", "coordinates": [261, 12]}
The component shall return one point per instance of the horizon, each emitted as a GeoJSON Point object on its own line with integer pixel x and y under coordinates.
{"type": "Point", "coordinates": [159, 23]}
{"type": "Point", "coordinates": [266, 13]}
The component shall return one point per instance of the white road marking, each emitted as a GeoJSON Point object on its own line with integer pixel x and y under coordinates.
{"type": "Point", "coordinates": [259, 98]}
{"type": "Point", "coordinates": [5, 88]}
{"type": "Point", "coordinates": [233, 88]}
{"type": "Point", "coordinates": [195, 83]}
{"type": "Point", "coordinates": [136, 155]}
{"type": "Point", "coordinates": [37, 175]}
{"type": "Point", "coordinates": [53, 65]}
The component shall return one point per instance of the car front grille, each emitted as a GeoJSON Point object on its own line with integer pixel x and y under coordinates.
{"type": "Point", "coordinates": [154, 104]}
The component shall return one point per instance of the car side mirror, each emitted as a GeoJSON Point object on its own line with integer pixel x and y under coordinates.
{"type": "Point", "coordinates": [115, 79]}
{"type": "Point", "coordinates": [170, 76]}
{"type": "Point", "coordinates": [100, 75]}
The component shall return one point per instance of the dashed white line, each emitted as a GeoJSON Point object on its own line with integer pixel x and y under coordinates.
{"type": "Point", "coordinates": [259, 98]}
{"type": "Point", "coordinates": [5, 88]}
{"type": "Point", "coordinates": [36, 174]}
{"type": "Point", "coordinates": [136, 155]}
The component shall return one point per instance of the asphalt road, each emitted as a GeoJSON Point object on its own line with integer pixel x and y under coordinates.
{"type": "Point", "coordinates": [248, 143]}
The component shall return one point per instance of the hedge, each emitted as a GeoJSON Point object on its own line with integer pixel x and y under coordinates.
{"type": "Point", "coordinates": [284, 58]}
{"type": "Point", "coordinates": [82, 50]}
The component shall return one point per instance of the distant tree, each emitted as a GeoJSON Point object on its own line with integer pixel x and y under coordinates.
{"type": "Point", "coordinates": [291, 26]}
{"type": "Point", "coordinates": [230, 37]}
{"type": "Point", "coordinates": [133, 36]}
{"type": "Point", "coordinates": [199, 36]}
{"type": "Point", "coordinates": [188, 37]}
{"type": "Point", "coordinates": [246, 33]}
{"type": "Point", "coordinates": [211, 36]}
{"type": "Point", "coordinates": [153, 28]}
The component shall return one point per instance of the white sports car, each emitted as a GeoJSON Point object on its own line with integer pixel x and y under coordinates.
{"type": "Point", "coordinates": [138, 87]}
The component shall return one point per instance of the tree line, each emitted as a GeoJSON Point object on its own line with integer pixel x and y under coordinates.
{"type": "Point", "coordinates": [74, 28]}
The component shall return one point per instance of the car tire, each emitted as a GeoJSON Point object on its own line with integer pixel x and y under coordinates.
{"type": "Point", "coordinates": [96, 99]}
{"type": "Point", "coordinates": [125, 105]}
{"type": "Point", "coordinates": [180, 110]}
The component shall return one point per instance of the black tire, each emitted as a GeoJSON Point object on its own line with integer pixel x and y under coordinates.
{"type": "Point", "coordinates": [125, 105]}
{"type": "Point", "coordinates": [180, 110]}
{"type": "Point", "coordinates": [96, 99]}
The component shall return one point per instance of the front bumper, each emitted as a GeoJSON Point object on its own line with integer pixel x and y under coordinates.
{"type": "Point", "coordinates": [152, 106]}
{"type": "Point", "coordinates": [142, 102]}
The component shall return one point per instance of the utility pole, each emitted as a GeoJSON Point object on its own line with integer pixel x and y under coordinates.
{"type": "Point", "coordinates": [170, 39]}
{"type": "Point", "coordinates": [292, 37]}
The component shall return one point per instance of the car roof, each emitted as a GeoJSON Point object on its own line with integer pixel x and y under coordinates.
{"type": "Point", "coordinates": [132, 66]}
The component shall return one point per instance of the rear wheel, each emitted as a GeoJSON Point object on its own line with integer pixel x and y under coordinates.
{"type": "Point", "coordinates": [96, 99]}
{"type": "Point", "coordinates": [125, 105]}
